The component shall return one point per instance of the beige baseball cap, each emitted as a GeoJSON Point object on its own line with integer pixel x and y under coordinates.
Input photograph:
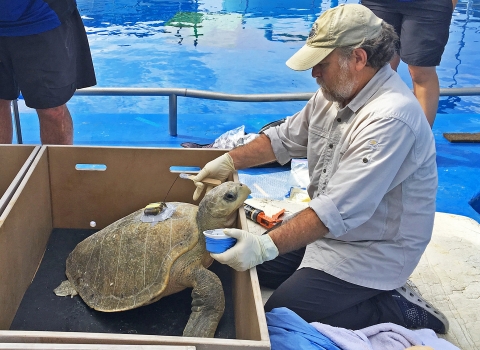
{"type": "Point", "coordinates": [344, 25]}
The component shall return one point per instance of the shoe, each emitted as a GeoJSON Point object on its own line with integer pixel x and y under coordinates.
{"type": "Point", "coordinates": [417, 312]}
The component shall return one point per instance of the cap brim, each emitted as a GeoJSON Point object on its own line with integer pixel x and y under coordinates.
{"type": "Point", "coordinates": [307, 57]}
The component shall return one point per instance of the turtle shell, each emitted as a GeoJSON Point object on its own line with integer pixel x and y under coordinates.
{"type": "Point", "coordinates": [127, 264]}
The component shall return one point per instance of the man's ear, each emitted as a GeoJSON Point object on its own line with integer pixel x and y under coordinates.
{"type": "Point", "coordinates": [360, 56]}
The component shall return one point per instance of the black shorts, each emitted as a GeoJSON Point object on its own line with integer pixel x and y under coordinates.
{"type": "Point", "coordinates": [47, 67]}
{"type": "Point", "coordinates": [422, 26]}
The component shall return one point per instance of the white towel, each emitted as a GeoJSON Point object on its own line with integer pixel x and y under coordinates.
{"type": "Point", "coordinates": [383, 336]}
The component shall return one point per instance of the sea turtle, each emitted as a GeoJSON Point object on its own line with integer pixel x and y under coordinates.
{"type": "Point", "coordinates": [132, 263]}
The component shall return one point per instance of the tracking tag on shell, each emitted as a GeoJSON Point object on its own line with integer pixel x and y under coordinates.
{"type": "Point", "coordinates": [156, 212]}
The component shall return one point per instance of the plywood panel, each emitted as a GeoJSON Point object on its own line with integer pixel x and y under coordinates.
{"type": "Point", "coordinates": [51, 346]}
{"type": "Point", "coordinates": [129, 339]}
{"type": "Point", "coordinates": [249, 313]}
{"type": "Point", "coordinates": [25, 226]}
{"type": "Point", "coordinates": [12, 158]}
{"type": "Point", "coordinates": [55, 194]}
{"type": "Point", "coordinates": [133, 178]}
{"type": "Point", "coordinates": [473, 137]}
{"type": "Point", "coordinates": [14, 162]}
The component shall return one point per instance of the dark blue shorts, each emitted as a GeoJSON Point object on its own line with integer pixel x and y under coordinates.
{"type": "Point", "coordinates": [422, 26]}
{"type": "Point", "coordinates": [47, 67]}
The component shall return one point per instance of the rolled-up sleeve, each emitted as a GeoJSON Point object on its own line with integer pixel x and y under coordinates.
{"type": "Point", "coordinates": [290, 139]}
{"type": "Point", "coordinates": [328, 212]}
{"type": "Point", "coordinates": [281, 153]}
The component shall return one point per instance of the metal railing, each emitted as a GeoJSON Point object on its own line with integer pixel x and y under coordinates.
{"type": "Point", "coordinates": [173, 93]}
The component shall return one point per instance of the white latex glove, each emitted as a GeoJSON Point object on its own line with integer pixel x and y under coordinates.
{"type": "Point", "coordinates": [249, 251]}
{"type": "Point", "coordinates": [219, 168]}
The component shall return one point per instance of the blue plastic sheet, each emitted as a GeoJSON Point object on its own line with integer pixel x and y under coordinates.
{"type": "Point", "coordinates": [269, 183]}
{"type": "Point", "coordinates": [475, 202]}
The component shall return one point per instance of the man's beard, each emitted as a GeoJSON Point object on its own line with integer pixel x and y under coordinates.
{"type": "Point", "coordinates": [342, 89]}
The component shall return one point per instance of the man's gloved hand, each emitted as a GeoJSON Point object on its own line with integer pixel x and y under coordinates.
{"type": "Point", "coordinates": [249, 251]}
{"type": "Point", "coordinates": [219, 168]}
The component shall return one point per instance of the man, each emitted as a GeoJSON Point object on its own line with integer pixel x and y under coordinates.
{"type": "Point", "coordinates": [44, 53]}
{"type": "Point", "coordinates": [345, 260]}
{"type": "Point", "coordinates": [423, 29]}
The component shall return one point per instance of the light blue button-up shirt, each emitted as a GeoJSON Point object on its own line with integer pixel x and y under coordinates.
{"type": "Point", "coordinates": [373, 180]}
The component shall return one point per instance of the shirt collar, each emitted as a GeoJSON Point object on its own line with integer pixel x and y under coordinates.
{"type": "Point", "coordinates": [371, 88]}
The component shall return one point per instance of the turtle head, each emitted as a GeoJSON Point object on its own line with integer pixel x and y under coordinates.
{"type": "Point", "coordinates": [219, 207]}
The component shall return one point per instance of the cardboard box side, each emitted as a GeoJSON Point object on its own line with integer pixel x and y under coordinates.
{"type": "Point", "coordinates": [103, 338]}
{"type": "Point", "coordinates": [66, 193]}
{"type": "Point", "coordinates": [134, 177]}
{"type": "Point", "coordinates": [15, 161]}
{"type": "Point", "coordinates": [12, 157]}
{"type": "Point", "coordinates": [249, 313]}
{"type": "Point", "coordinates": [51, 346]}
{"type": "Point", "coordinates": [25, 226]}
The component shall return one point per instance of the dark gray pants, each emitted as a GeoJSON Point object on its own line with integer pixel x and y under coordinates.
{"type": "Point", "coordinates": [319, 297]}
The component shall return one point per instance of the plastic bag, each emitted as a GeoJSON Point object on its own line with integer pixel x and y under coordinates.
{"type": "Point", "coordinates": [298, 181]}
{"type": "Point", "coordinates": [299, 173]}
{"type": "Point", "coordinates": [233, 138]}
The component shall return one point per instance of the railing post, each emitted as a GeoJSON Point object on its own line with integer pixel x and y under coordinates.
{"type": "Point", "coordinates": [172, 114]}
{"type": "Point", "coordinates": [18, 127]}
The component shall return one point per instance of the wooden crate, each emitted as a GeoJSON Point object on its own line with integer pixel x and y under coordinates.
{"type": "Point", "coordinates": [14, 163]}
{"type": "Point", "coordinates": [55, 194]}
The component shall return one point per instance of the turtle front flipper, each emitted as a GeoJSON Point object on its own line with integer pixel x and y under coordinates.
{"type": "Point", "coordinates": [208, 303]}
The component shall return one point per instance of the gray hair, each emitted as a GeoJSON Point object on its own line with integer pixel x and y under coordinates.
{"type": "Point", "coordinates": [380, 50]}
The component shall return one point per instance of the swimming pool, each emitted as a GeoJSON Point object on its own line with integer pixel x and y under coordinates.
{"type": "Point", "coordinates": [240, 47]}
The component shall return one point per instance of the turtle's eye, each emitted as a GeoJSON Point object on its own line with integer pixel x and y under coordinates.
{"type": "Point", "coordinates": [230, 196]}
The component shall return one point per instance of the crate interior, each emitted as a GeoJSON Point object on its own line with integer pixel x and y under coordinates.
{"type": "Point", "coordinates": [42, 310]}
{"type": "Point", "coordinates": [61, 201]}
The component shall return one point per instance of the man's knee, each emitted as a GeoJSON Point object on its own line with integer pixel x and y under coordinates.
{"type": "Point", "coordinates": [56, 126]}
{"type": "Point", "coordinates": [421, 75]}
{"type": "Point", "coordinates": [54, 112]}
{"type": "Point", "coordinates": [55, 117]}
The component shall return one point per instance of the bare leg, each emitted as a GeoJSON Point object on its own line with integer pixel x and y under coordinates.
{"type": "Point", "coordinates": [427, 89]}
{"type": "Point", "coordinates": [6, 127]}
{"type": "Point", "coordinates": [56, 126]}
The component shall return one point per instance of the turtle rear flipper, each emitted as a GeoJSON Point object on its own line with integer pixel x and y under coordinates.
{"type": "Point", "coordinates": [64, 289]}
{"type": "Point", "coordinates": [208, 303]}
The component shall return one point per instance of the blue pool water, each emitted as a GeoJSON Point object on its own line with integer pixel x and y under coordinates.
{"type": "Point", "coordinates": [240, 47]}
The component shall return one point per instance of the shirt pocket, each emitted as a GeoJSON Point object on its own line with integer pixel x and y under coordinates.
{"type": "Point", "coordinates": [317, 141]}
